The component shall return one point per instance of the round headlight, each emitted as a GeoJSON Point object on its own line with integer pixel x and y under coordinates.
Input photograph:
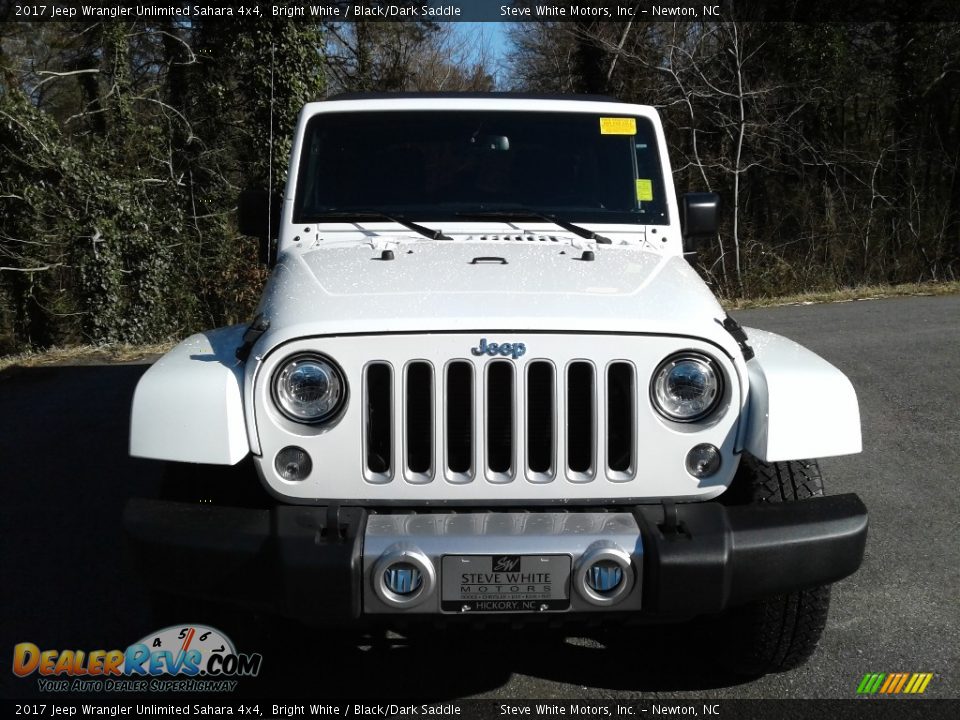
{"type": "Point", "coordinates": [686, 387]}
{"type": "Point", "coordinates": [309, 389]}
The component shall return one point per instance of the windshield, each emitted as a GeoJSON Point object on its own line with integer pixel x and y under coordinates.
{"type": "Point", "coordinates": [440, 164]}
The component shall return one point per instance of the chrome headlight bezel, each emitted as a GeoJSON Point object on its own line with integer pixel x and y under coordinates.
{"type": "Point", "coordinates": [707, 363]}
{"type": "Point", "coordinates": [280, 400]}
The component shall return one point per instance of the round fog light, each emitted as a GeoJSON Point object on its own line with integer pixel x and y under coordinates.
{"type": "Point", "coordinates": [403, 578]}
{"type": "Point", "coordinates": [604, 576]}
{"type": "Point", "coordinates": [293, 463]}
{"type": "Point", "coordinates": [703, 460]}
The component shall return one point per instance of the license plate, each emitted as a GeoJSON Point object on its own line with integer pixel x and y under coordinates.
{"type": "Point", "coordinates": [505, 583]}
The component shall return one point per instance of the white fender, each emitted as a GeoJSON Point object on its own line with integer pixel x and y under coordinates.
{"type": "Point", "coordinates": [188, 407]}
{"type": "Point", "coordinates": [800, 406]}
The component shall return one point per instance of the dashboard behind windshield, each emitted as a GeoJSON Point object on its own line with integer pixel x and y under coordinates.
{"type": "Point", "coordinates": [439, 164]}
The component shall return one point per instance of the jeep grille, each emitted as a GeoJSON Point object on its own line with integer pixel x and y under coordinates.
{"type": "Point", "coordinates": [475, 411]}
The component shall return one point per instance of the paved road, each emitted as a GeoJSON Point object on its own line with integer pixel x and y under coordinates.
{"type": "Point", "coordinates": [64, 583]}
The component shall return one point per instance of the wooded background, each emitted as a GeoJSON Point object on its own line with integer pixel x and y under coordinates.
{"type": "Point", "coordinates": [124, 146]}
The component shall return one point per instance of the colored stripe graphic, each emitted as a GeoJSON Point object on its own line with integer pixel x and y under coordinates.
{"type": "Point", "coordinates": [877, 680]}
{"type": "Point", "coordinates": [870, 683]}
{"type": "Point", "coordinates": [900, 683]}
{"type": "Point", "coordinates": [864, 684]}
{"type": "Point", "coordinates": [919, 683]}
{"type": "Point", "coordinates": [891, 680]}
{"type": "Point", "coordinates": [894, 683]}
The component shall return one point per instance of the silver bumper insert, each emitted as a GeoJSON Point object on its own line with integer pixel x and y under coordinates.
{"type": "Point", "coordinates": [502, 562]}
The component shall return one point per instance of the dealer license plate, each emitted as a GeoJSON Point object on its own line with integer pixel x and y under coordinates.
{"type": "Point", "coordinates": [505, 583]}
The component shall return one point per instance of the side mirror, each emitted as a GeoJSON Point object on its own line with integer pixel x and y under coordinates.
{"type": "Point", "coordinates": [699, 218]}
{"type": "Point", "coordinates": [259, 217]}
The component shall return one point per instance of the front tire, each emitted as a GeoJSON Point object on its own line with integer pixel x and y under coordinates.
{"type": "Point", "coordinates": [780, 632]}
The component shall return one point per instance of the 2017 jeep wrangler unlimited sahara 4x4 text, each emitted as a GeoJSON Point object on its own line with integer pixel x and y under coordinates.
{"type": "Point", "coordinates": [483, 380]}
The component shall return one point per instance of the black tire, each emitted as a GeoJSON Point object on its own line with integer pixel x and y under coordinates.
{"type": "Point", "coordinates": [781, 632]}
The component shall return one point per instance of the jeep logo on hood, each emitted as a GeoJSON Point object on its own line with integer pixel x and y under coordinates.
{"type": "Point", "coordinates": [514, 350]}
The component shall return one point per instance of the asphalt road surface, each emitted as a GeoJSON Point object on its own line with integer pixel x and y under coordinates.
{"type": "Point", "coordinates": [65, 583]}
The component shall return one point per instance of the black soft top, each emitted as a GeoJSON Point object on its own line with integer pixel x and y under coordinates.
{"type": "Point", "coordinates": [469, 95]}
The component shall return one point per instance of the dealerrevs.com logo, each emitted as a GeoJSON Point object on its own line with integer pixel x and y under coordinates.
{"type": "Point", "coordinates": [191, 658]}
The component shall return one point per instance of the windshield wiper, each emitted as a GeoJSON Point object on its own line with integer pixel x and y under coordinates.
{"type": "Point", "coordinates": [529, 214]}
{"type": "Point", "coordinates": [376, 215]}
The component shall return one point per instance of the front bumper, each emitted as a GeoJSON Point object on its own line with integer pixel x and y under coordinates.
{"type": "Point", "coordinates": [308, 562]}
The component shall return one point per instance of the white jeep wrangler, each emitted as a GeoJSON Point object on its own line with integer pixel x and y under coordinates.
{"type": "Point", "coordinates": [484, 381]}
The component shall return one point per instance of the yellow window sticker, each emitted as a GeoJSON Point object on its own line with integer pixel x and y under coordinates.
{"type": "Point", "coordinates": [644, 190]}
{"type": "Point", "coordinates": [618, 126]}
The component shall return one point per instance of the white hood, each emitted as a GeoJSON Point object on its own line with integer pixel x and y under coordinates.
{"type": "Point", "coordinates": [446, 286]}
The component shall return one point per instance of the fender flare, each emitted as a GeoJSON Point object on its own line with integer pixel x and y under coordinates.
{"type": "Point", "coordinates": [188, 407]}
{"type": "Point", "coordinates": [799, 406]}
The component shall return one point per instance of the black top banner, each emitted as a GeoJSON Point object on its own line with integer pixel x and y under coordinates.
{"type": "Point", "coordinates": [488, 10]}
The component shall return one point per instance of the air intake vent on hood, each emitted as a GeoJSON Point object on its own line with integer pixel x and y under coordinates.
{"type": "Point", "coordinates": [518, 238]}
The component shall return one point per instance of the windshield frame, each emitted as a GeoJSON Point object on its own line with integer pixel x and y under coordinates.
{"type": "Point", "coordinates": [656, 213]}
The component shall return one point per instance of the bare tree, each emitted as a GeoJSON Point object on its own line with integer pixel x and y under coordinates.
{"type": "Point", "coordinates": [367, 56]}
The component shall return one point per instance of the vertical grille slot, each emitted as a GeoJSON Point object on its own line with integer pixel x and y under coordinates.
{"type": "Point", "coordinates": [580, 417]}
{"type": "Point", "coordinates": [419, 418]}
{"type": "Point", "coordinates": [459, 411]}
{"type": "Point", "coordinates": [620, 417]}
{"type": "Point", "coordinates": [500, 417]}
{"type": "Point", "coordinates": [540, 417]}
{"type": "Point", "coordinates": [379, 419]}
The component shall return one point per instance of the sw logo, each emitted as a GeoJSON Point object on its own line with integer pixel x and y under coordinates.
{"type": "Point", "coordinates": [506, 563]}
{"type": "Point", "coordinates": [894, 683]}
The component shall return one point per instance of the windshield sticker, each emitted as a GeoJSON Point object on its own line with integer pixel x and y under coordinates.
{"type": "Point", "coordinates": [644, 190]}
{"type": "Point", "coordinates": [618, 126]}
